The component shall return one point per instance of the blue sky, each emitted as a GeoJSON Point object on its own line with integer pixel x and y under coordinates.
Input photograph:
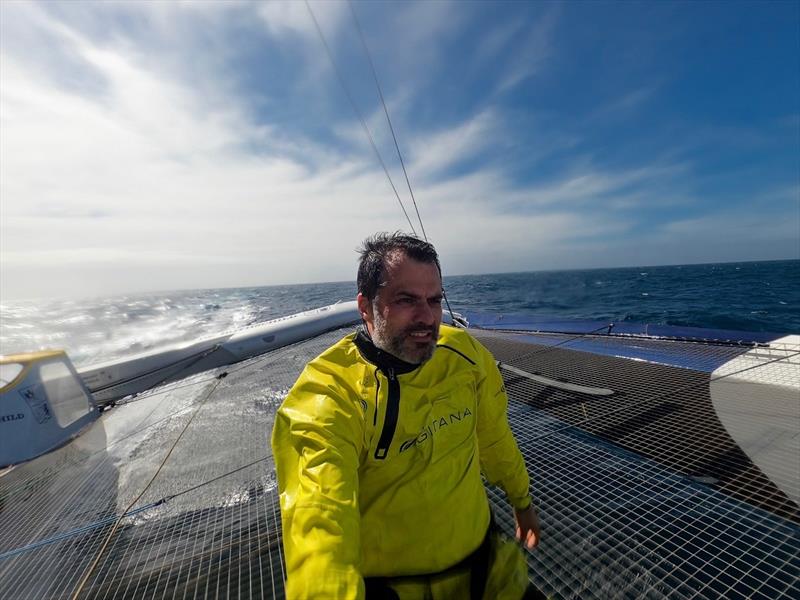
{"type": "Point", "coordinates": [164, 145]}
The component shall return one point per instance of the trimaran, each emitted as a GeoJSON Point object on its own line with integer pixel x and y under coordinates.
{"type": "Point", "coordinates": [665, 461]}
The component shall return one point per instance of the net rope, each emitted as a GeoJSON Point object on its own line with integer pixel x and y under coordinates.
{"type": "Point", "coordinates": [647, 501]}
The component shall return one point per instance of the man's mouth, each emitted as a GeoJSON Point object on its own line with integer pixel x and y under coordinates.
{"type": "Point", "coordinates": [421, 335]}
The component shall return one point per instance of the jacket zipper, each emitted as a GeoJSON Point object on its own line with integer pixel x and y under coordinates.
{"type": "Point", "coordinates": [377, 398]}
{"type": "Point", "coordinates": [392, 413]}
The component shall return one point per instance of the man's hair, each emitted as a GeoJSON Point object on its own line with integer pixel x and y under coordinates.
{"type": "Point", "coordinates": [375, 251]}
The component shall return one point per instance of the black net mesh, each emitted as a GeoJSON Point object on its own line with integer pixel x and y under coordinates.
{"type": "Point", "coordinates": [642, 494]}
{"type": "Point", "coordinates": [207, 526]}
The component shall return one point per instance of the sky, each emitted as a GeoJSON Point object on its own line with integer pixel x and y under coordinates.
{"type": "Point", "coordinates": [177, 145]}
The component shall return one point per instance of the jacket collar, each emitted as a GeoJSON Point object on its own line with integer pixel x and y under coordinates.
{"type": "Point", "coordinates": [380, 358]}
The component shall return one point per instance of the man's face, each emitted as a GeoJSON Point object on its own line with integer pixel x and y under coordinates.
{"type": "Point", "coordinates": [405, 316]}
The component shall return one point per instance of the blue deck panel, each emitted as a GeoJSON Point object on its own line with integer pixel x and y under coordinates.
{"type": "Point", "coordinates": [626, 340]}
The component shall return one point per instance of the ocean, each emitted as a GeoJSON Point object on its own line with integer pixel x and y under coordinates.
{"type": "Point", "coordinates": [748, 296]}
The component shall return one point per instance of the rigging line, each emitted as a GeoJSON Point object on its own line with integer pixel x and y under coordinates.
{"type": "Point", "coordinates": [545, 349]}
{"type": "Point", "coordinates": [135, 397]}
{"type": "Point", "coordinates": [111, 533]}
{"type": "Point", "coordinates": [394, 138]}
{"type": "Point", "coordinates": [153, 391]}
{"type": "Point", "coordinates": [247, 363]}
{"type": "Point", "coordinates": [251, 362]}
{"type": "Point", "coordinates": [73, 532]}
{"type": "Point", "coordinates": [386, 112]}
{"type": "Point", "coordinates": [447, 302]}
{"type": "Point", "coordinates": [110, 519]}
{"type": "Point", "coordinates": [194, 358]}
{"type": "Point", "coordinates": [661, 396]}
{"type": "Point", "coordinates": [244, 363]}
{"type": "Point", "coordinates": [271, 536]}
{"type": "Point", "coordinates": [157, 391]}
{"type": "Point", "coordinates": [217, 478]}
{"type": "Point", "coordinates": [358, 113]}
{"type": "Point", "coordinates": [145, 395]}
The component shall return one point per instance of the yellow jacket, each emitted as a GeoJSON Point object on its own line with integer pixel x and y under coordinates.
{"type": "Point", "coordinates": [379, 467]}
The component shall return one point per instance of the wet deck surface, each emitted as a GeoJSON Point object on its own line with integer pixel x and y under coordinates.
{"type": "Point", "coordinates": [642, 494]}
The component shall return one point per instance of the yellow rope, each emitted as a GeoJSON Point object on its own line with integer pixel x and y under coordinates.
{"type": "Point", "coordinates": [111, 533]}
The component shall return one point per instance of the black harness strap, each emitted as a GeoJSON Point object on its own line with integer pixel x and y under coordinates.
{"type": "Point", "coordinates": [392, 413]}
{"type": "Point", "coordinates": [479, 571]}
{"type": "Point", "coordinates": [477, 564]}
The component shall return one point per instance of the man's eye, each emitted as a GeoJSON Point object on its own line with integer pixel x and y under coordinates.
{"type": "Point", "coordinates": [436, 301]}
{"type": "Point", "coordinates": [406, 301]}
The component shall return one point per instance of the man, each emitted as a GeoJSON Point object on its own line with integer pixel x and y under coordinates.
{"type": "Point", "coordinates": [380, 445]}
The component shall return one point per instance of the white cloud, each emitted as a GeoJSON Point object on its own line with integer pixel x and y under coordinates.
{"type": "Point", "coordinates": [624, 104]}
{"type": "Point", "coordinates": [497, 39]}
{"type": "Point", "coordinates": [722, 227]}
{"type": "Point", "coordinates": [424, 24]}
{"type": "Point", "coordinates": [147, 171]}
{"type": "Point", "coordinates": [528, 58]}
{"type": "Point", "coordinates": [590, 185]}
{"type": "Point", "coordinates": [150, 181]}
{"type": "Point", "coordinates": [434, 153]}
{"type": "Point", "coordinates": [290, 17]}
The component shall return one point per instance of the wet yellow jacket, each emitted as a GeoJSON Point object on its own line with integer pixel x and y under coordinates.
{"type": "Point", "coordinates": [379, 463]}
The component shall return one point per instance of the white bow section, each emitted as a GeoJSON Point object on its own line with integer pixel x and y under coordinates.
{"type": "Point", "coordinates": [116, 379]}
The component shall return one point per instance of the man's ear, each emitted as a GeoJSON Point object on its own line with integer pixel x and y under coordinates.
{"type": "Point", "coordinates": [365, 308]}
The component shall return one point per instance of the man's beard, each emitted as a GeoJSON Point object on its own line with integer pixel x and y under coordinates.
{"type": "Point", "coordinates": [397, 345]}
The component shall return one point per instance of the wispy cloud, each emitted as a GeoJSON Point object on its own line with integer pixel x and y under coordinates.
{"type": "Point", "coordinates": [432, 154]}
{"type": "Point", "coordinates": [497, 40]}
{"type": "Point", "coordinates": [626, 103]}
{"type": "Point", "coordinates": [531, 52]}
{"type": "Point", "coordinates": [590, 186]}
{"type": "Point", "coordinates": [131, 169]}
{"type": "Point", "coordinates": [421, 29]}
{"type": "Point", "coordinates": [293, 18]}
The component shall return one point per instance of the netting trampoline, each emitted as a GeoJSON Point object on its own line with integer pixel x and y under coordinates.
{"type": "Point", "coordinates": [642, 492]}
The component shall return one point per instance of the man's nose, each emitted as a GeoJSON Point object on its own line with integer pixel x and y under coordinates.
{"type": "Point", "coordinates": [424, 313]}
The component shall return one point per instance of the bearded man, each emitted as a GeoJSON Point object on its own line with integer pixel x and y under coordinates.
{"type": "Point", "coordinates": [380, 445]}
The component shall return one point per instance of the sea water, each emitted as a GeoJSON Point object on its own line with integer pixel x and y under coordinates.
{"type": "Point", "coordinates": [749, 296]}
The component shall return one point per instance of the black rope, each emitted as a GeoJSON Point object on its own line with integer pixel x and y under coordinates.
{"type": "Point", "coordinates": [394, 138]}
{"type": "Point", "coordinates": [659, 396]}
{"type": "Point", "coordinates": [251, 362]}
{"type": "Point", "coordinates": [388, 120]}
{"type": "Point", "coordinates": [545, 349]}
{"type": "Point", "coordinates": [98, 555]}
{"type": "Point", "coordinates": [194, 358]}
{"type": "Point", "coordinates": [213, 479]}
{"type": "Point", "coordinates": [452, 314]}
{"type": "Point", "coordinates": [112, 518]}
{"type": "Point", "coordinates": [358, 113]}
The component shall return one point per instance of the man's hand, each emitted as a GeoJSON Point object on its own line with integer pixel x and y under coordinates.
{"type": "Point", "coordinates": [527, 530]}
